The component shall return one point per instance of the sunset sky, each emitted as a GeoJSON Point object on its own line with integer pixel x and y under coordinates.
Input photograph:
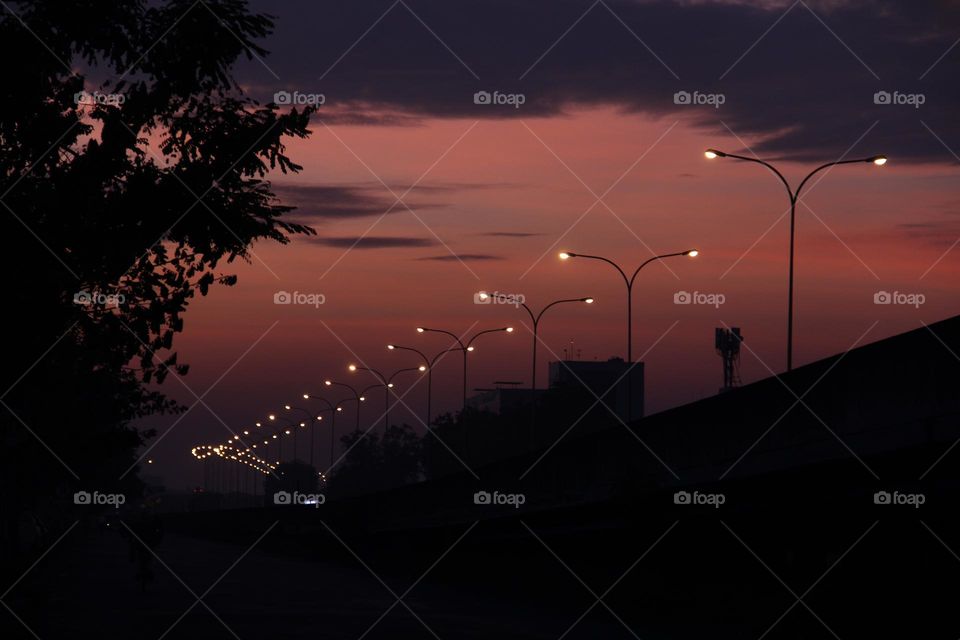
{"type": "Point", "coordinates": [598, 159]}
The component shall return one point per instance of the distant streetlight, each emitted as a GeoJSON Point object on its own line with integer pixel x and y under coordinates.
{"type": "Point", "coordinates": [464, 348]}
{"type": "Point", "coordinates": [794, 196]}
{"type": "Point", "coordinates": [629, 281]}
{"type": "Point", "coordinates": [535, 318]}
{"type": "Point", "coordinates": [313, 421]}
{"type": "Point", "coordinates": [386, 391]}
{"type": "Point", "coordinates": [273, 417]}
{"type": "Point", "coordinates": [334, 409]}
{"type": "Point", "coordinates": [426, 366]}
{"type": "Point", "coordinates": [356, 394]}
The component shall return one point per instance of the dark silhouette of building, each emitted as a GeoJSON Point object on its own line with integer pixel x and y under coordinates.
{"type": "Point", "coordinates": [606, 380]}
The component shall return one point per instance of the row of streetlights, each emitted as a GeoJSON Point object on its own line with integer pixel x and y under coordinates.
{"type": "Point", "coordinates": [427, 363]}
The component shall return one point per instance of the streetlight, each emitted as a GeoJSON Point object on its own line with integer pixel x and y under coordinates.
{"type": "Point", "coordinates": [465, 348]}
{"type": "Point", "coordinates": [334, 409]}
{"type": "Point", "coordinates": [386, 391]}
{"type": "Point", "coordinates": [393, 375]}
{"type": "Point", "coordinates": [629, 281]}
{"type": "Point", "coordinates": [357, 396]}
{"type": "Point", "coordinates": [426, 366]}
{"type": "Point", "coordinates": [387, 383]}
{"type": "Point", "coordinates": [566, 255]}
{"type": "Point", "coordinates": [535, 318]}
{"type": "Point", "coordinates": [273, 417]}
{"type": "Point", "coordinates": [313, 420]}
{"type": "Point", "coordinates": [794, 196]}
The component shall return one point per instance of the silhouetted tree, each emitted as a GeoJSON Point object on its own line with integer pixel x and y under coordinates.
{"type": "Point", "coordinates": [118, 206]}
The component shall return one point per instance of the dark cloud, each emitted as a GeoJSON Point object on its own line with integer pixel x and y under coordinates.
{"type": "Point", "coordinates": [332, 201]}
{"type": "Point", "coordinates": [320, 202]}
{"type": "Point", "coordinates": [463, 257]}
{"type": "Point", "coordinates": [373, 242]}
{"type": "Point", "coordinates": [938, 232]}
{"type": "Point", "coordinates": [510, 234]}
{"type": "Point", "coordinates": [803, 85]}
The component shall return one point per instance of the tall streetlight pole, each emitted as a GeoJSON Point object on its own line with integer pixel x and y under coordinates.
{"type": "Point", "coordinates": [465, 347]}
{"type": "Point", "coordinates": [334, 409]}
{"type": "Point", "coordinates": [356, 394]}
{"type": "Point", "coordinates": [301, 425]}
{"type": "Point", "coordinates": [393, 375]}
{"type": "Point", "coordinates": [535, 318]}
{"type": "Point", "coordinates": [313, 425]}
{"type": "Point", "coordinates": [273, 417]}
{"type": "Point", "coordinates": [794, 196]}
{"type": "Point", "coordinates": [386, 384]}
{"type": "Point", "coordinates": [629, 281]}
{"type": "Point", "coordinates": [426, 366]}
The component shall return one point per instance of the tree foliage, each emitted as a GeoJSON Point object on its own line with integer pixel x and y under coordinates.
{"type": "Point", "coordinates": [139, 201]}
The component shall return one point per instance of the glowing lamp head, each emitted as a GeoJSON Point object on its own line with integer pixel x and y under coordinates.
{"type": "Point", "coordinates": [509, 329]}
{"type": "Point", "coordinates": [469, 348]}
{"type": "Point", "coordinates": [420, 329]}
{"type": "Point", "coordinates": [306, 396]}
{"type": "Point", "coordinates": [363, 398]}
{"type": "Point", "coordinates": [710, 154]}
{"type": "Point", "coordinates": [588, 300]}
{"type": "Point", "coordinates": [422, 368]}
{"type": "Point", "coordinates": [287, 407]}
{"type": "Point", "coordinates": [339, 408]}
{"type": "Point", "coordinates": [878, 160]}
{"type": "Point", "coordinates": [352, 367]}
{"type": "Point", "coordinates": [272, 417]}
{"type": "Point", "coordinates": [566, 255]}
{"type": "Point", "coordinates": [259, 424]}
{"type": "Point", "coordinates": [693, 253]}
{"type": "Point", "coordinates": [328, 382]}
{"type": "Point", "coordinates": [391, 347]}
{"type": "Point", "coordinates": [390, 385]}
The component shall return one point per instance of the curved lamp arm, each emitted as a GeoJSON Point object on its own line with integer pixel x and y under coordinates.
{"type": "Point", "coordinates": [445, 332]}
